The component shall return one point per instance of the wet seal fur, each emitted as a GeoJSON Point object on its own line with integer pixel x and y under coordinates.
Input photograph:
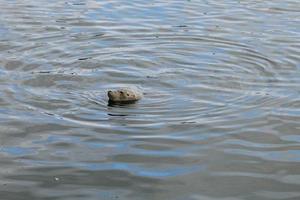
{"type": "Point", "coordinates": [124, 95]}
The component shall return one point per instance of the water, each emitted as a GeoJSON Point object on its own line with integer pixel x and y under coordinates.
{"type": "Point", "coordinates": [220, 118]}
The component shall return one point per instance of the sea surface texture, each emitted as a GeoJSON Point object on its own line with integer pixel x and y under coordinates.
{"type": "Point", "coordinates": [220, 116]}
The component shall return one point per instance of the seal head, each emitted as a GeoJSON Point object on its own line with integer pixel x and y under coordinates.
{"type": "Point", "coordinates": [125, 95]}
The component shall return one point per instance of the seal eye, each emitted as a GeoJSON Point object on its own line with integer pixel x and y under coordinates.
{"type": "Point", "coordinates": [121, 92]}
{"type": "Point", "coordinates": [127, 94]}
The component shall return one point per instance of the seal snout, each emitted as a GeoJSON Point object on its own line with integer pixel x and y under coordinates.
{"type": "Point", "coordinates": [110, 94]}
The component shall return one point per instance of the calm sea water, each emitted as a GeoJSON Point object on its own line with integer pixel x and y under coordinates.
{"type": "Point", "coordinates": [220, 119]}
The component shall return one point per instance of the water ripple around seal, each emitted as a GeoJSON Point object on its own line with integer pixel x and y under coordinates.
{"type": "Point", "coordinates": [220, 113]}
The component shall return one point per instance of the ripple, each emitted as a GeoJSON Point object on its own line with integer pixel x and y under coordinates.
{"type": "Point", "coordinates": [220, 83]}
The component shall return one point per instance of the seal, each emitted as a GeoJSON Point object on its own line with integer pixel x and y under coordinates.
{"type": "Point", "coordinates": [124, 95]}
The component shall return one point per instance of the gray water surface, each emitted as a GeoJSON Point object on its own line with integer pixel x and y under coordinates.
{"type": "Point", "coordinates": [220, 119]}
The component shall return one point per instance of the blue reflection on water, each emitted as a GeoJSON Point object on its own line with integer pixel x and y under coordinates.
{"type": "Point", "coordinates": [17, 151]}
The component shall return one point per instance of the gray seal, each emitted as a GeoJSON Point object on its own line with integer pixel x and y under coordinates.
{"type": "Point", "coordinates": [124, 95]}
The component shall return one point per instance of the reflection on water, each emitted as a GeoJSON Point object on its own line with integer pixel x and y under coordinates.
{"type": "Point", "coordinates": [219, 118]}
